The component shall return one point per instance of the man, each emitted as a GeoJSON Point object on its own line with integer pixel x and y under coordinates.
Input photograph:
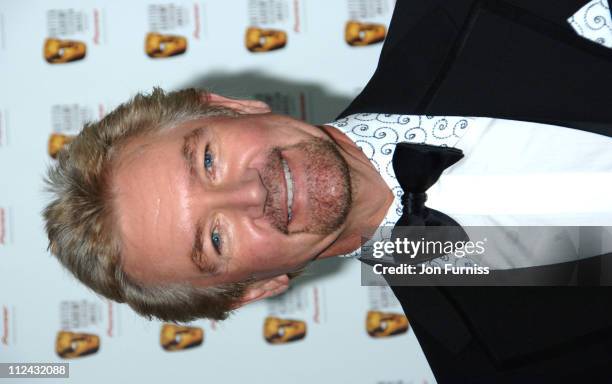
{"type": "Point", "coordinates": [189, 205]}
{"type": "Point", "coordinates": [172, 206]}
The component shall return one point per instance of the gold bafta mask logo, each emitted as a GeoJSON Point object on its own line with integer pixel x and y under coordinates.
{"type": "Point", "coordinates": [281, 331]}
{"type": "Point", "coordinates": [160, 46]}
{"type": "Point", "coordinates": [264, 40]}
{"type": "Point", "coordinates": [70, 345]}
{"type": "Point", "coordinates": [381, 324]}
{"type": "Point", "coordinates": [57, 141]}
{"type": "Point", "coordinates": [360, 34]}
{"type": "Point", "coordinates": [176, 338]}
{"type": "Point", "coordinates": [58, 51]}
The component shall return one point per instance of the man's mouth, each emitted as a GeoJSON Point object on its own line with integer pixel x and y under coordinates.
{"type": "Point", "coordinates": [289, 185]}
{"type": "Point", "coordinates": [308, 187]}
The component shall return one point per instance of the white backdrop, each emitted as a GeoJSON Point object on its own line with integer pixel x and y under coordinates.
{"type": "Point", "coordinates": [313, 77]}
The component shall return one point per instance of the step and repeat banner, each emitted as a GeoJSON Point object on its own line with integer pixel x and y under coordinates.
{"type": "Point", "coordinates": [63, 63]}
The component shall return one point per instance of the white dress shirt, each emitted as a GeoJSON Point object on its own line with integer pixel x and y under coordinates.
{"type": "Point", "coordinates": [593, 22]}
{"type": "Point", "coordinates": [514, 173]}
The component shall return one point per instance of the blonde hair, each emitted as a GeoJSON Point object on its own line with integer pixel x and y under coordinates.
{"type": "Point", "coordinates": [80, 222]}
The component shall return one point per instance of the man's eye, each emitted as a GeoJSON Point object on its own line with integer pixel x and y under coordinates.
{"type": "Point", "coordinates": [215, 238]}
{"type": "Point", "coordinates": [208, 159]}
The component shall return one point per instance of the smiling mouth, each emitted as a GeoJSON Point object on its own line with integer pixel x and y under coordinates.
{"type": "Point", "coordinates": [322, 200]}
{"type": "Point", "coordinates": [289, 184]}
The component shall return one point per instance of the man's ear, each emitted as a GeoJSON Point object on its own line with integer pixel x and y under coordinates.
{"type": "Point", "coordinates": [241, 106]}
{"type": "Point", "coordinates": [264, 288]}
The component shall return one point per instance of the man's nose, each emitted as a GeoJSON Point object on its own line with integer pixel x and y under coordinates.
{"type": "Point", "coordinates": [247, 194]}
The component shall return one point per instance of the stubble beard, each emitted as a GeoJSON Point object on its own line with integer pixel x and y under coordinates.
{"type": "Point", "coordinates": [327, 182]}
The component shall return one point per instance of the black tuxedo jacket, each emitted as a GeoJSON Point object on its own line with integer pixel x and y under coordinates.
{"type": "Point", "coordinates": [513, 59]}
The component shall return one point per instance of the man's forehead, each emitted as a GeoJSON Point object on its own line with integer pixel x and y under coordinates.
{"type": "Point", "coordinates": [168, 142]}
{"type": "Point", "coordinates": [150, 198]}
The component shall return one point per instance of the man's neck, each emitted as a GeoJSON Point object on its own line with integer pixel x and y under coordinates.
{"type": "Point", "coordinates": [371, 196]}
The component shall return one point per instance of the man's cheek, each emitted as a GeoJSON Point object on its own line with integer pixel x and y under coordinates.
{"type": "Point", "coordinates": [259, 251]}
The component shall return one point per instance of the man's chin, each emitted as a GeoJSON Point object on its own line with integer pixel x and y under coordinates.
{"type": "Point", "coordinates": [328, 187]}
{"type": "Point", "coordinates": [326, 183]}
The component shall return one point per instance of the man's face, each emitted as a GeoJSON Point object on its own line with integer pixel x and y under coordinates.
{"type": "Point", "coordinates": [223, 199]}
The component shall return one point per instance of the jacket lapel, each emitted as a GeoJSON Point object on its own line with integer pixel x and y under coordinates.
{"type": "Point", "coordinates": [455, 60]}
{"type": "Point", "coordinates": [491, 59]}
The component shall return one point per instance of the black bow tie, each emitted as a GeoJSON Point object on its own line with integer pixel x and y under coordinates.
{"type": "Point", "coordinates": [417, 167]}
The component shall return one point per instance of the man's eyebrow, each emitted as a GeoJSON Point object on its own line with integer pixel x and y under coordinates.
{"type": "Point", "coordinates": [189, 148]}
{"type": "Point", "coordinates": [189, 152]}
{"type": "Point", "coordinates": [197, 253]}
